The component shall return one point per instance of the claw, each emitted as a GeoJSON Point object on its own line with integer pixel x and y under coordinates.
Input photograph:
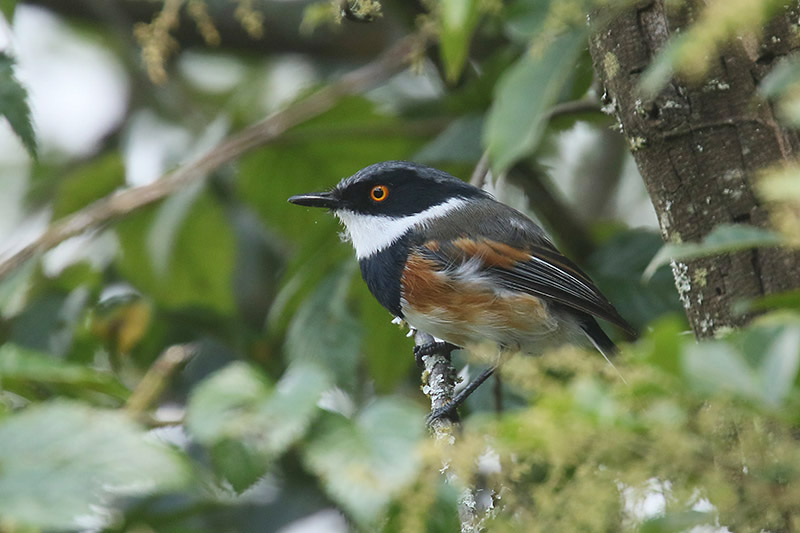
{"type": "Point", "coordinates": [432, 348]}
{"type": "Point", "coordinates": [448, 411]}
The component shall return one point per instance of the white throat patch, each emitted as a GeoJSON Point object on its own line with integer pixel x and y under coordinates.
{"type": "Point", "coordinates": [372, 233]}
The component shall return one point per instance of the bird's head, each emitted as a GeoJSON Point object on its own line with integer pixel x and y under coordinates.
{"type": "Point", "coordinates": [382, 202]}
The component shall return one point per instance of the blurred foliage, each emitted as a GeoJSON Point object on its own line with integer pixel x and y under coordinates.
{"type": "Point", "coordinates": [779, 188]}
{"type": "Point", "coordinates": [87, 455]}
{"type": "Point", "coordinates": [300, 396]}
{"type": "Point", "coordinates": [690, 53]}
{"type": "Point", "coordinates": [458, 20]}
{"type": "Point", "coordinates": [705, 432]}
{"type": "Point", "coordinates": [14, 102]}
{"type": "Point", "coordinates": [524, 94]}
{"type": "Point", "coordinates": [723, 238]}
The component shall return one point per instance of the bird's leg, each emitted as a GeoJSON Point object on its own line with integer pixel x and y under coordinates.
{"type": "Point", "coordinates": [431, 348]}
{"type": "Point", "coordinates": [449, 409]}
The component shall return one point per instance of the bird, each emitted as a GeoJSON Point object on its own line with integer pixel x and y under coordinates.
{"type": "Point", "coordinates": [449, 260]}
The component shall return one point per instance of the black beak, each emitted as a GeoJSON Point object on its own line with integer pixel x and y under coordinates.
{"type": "Point", "coordinates": [316, 199]}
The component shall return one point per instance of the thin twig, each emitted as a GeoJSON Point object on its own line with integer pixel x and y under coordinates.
{"type": "Point", "coordinates": [122, 203]}
{"type": "Point", "coordinates": [155, 380]}
{"type": "Point", "coordinates": [498, 393]}
{"type": "Point", "coordinates": [481, 171]}
{"type": "Point", "coordinates": [574, 107]}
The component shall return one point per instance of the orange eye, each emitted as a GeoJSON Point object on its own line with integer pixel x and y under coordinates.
{"type": "Point", "coordinates": [379, 193]}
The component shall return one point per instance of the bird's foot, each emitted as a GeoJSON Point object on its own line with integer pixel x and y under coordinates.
{"type": "Point", "coordinates": [447, 412]}
{"type": "Point", "coordinates": [432, 348]}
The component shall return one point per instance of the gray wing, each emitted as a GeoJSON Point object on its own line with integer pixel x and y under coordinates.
{"type": "Point", "coordinates": [518, 254]}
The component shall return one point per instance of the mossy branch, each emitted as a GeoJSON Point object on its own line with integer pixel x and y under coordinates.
{"type": "Point", "coordinates": [439, 384]}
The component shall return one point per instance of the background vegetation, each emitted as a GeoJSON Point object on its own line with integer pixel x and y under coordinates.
{"type": "Point", "coordinates": [199, 355]}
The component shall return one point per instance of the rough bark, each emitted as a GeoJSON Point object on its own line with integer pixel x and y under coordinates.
{"type": "Point", "coordinates": [699, 147]}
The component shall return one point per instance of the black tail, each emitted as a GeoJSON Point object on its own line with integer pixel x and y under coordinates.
{"type": "Point", "coordinates": [598, 337]}
{"type": "Point", "coordinates": [601, 341]}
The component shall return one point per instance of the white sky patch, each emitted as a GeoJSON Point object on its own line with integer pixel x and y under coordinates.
{"type": "Point", "coordinates": [151, 146]}
{"type": "Point", "coordinates": [328, 520]}
{"type": "Point", "coordinates": [408, 86]}
{"type": "Point", "coordinates": [78, 92]}
{"type": "Point", "coordinates": [96, 248]}
{"type": "Point", "coordinates": [649, 500]}
{"type": "Point", "coordinates": [216, 73]}
{"type": "Point", "coordinates": [287, 76]}
{"type": "Point", "coordinates": [631, 203]}
{"type": "Point", "coordinates": [154, 146]}
{"type": "Point", "coordinates": [337, 400]}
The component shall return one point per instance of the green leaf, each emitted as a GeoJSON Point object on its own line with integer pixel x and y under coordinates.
{"type": "Point", "coordinates": [20, 364]}
{"type": "Point", "coordinates": [779, 300]}
{"type": "Point", "coordinates": [238, 402]}
{"type": "Point", "coordinates": [90, 182]}
{"type": "Point", "coordinates": [325, 332]}
{"type": "Point", "coordinates": [458, 20]}
{"type": "Point", "coordinates": [14, 286]}
{"type": "Point", "coordinates": [780, 185]}
{"type": "Point", "coordinates": [48, 323]}
{"type": "Point", "coordinates": [523, 96]}
{"type": "Point", "coordinates": [524, 19]}
{"type": "Point", "coordinates": [785, 75]}
{"type": "Point", "coordinates": [716, 366]}
{"type": "Point", "coordinates": [167, 224]}
{"type": "Point", "coordinates": [366, 461]}
{"type": "Point", "coordinates": [388, 353]}
{"type": "Point", "coordinates": [675, 522]}
{"type": "Point", "coordinates": [7, 7]}
{"type": "Point", "coordinates": [237, 463]}
{"type": "Point", "coordinates": [594, 399]}
{"type": "Point", "coordinates": [14, 105]}
{"type": "Point", "coordinates": [459, 142]}
{"type": "Point", "coordinates": [195, 265]}
{"type": "Point", "coordinates": [662, 345]}
{"type": "Point", "coordinates": [581, 81]}
{"type": "Point", "coordinates": [435, 512]}
{"type": "Point", "coordinates": [62, 462]}
{"type": "Point", "coordinates": [247, 422]}
{"type": "Point", "coordinates": [662, 68]}
{"type": "Point", "coordinates": [780, 365]}
{"type": "Point", "coordinates": [475, 94]}
{"type": "Point", "coordinates": [758, 363]}
{"type": "Point", "coordinates": [616, 267]}
{"type": "Point", "coordinates": [723, 238]}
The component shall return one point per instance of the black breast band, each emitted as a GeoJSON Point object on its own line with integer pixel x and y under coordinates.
{"type": "Point", "coordinates": [383, 272]}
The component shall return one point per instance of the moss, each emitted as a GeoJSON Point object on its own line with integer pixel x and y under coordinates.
{"type": "Point", "coordinates": [636, 143]}
{"type": "Point", "coordinates": [610, 65]}
{"type": "Point", "coordinates": [589, 451]}
{"type": "Point", "coordinates": [700, 276]}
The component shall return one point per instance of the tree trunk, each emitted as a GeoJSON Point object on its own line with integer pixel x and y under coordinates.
{"type": "Point", "coordinates": [699, 147]}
